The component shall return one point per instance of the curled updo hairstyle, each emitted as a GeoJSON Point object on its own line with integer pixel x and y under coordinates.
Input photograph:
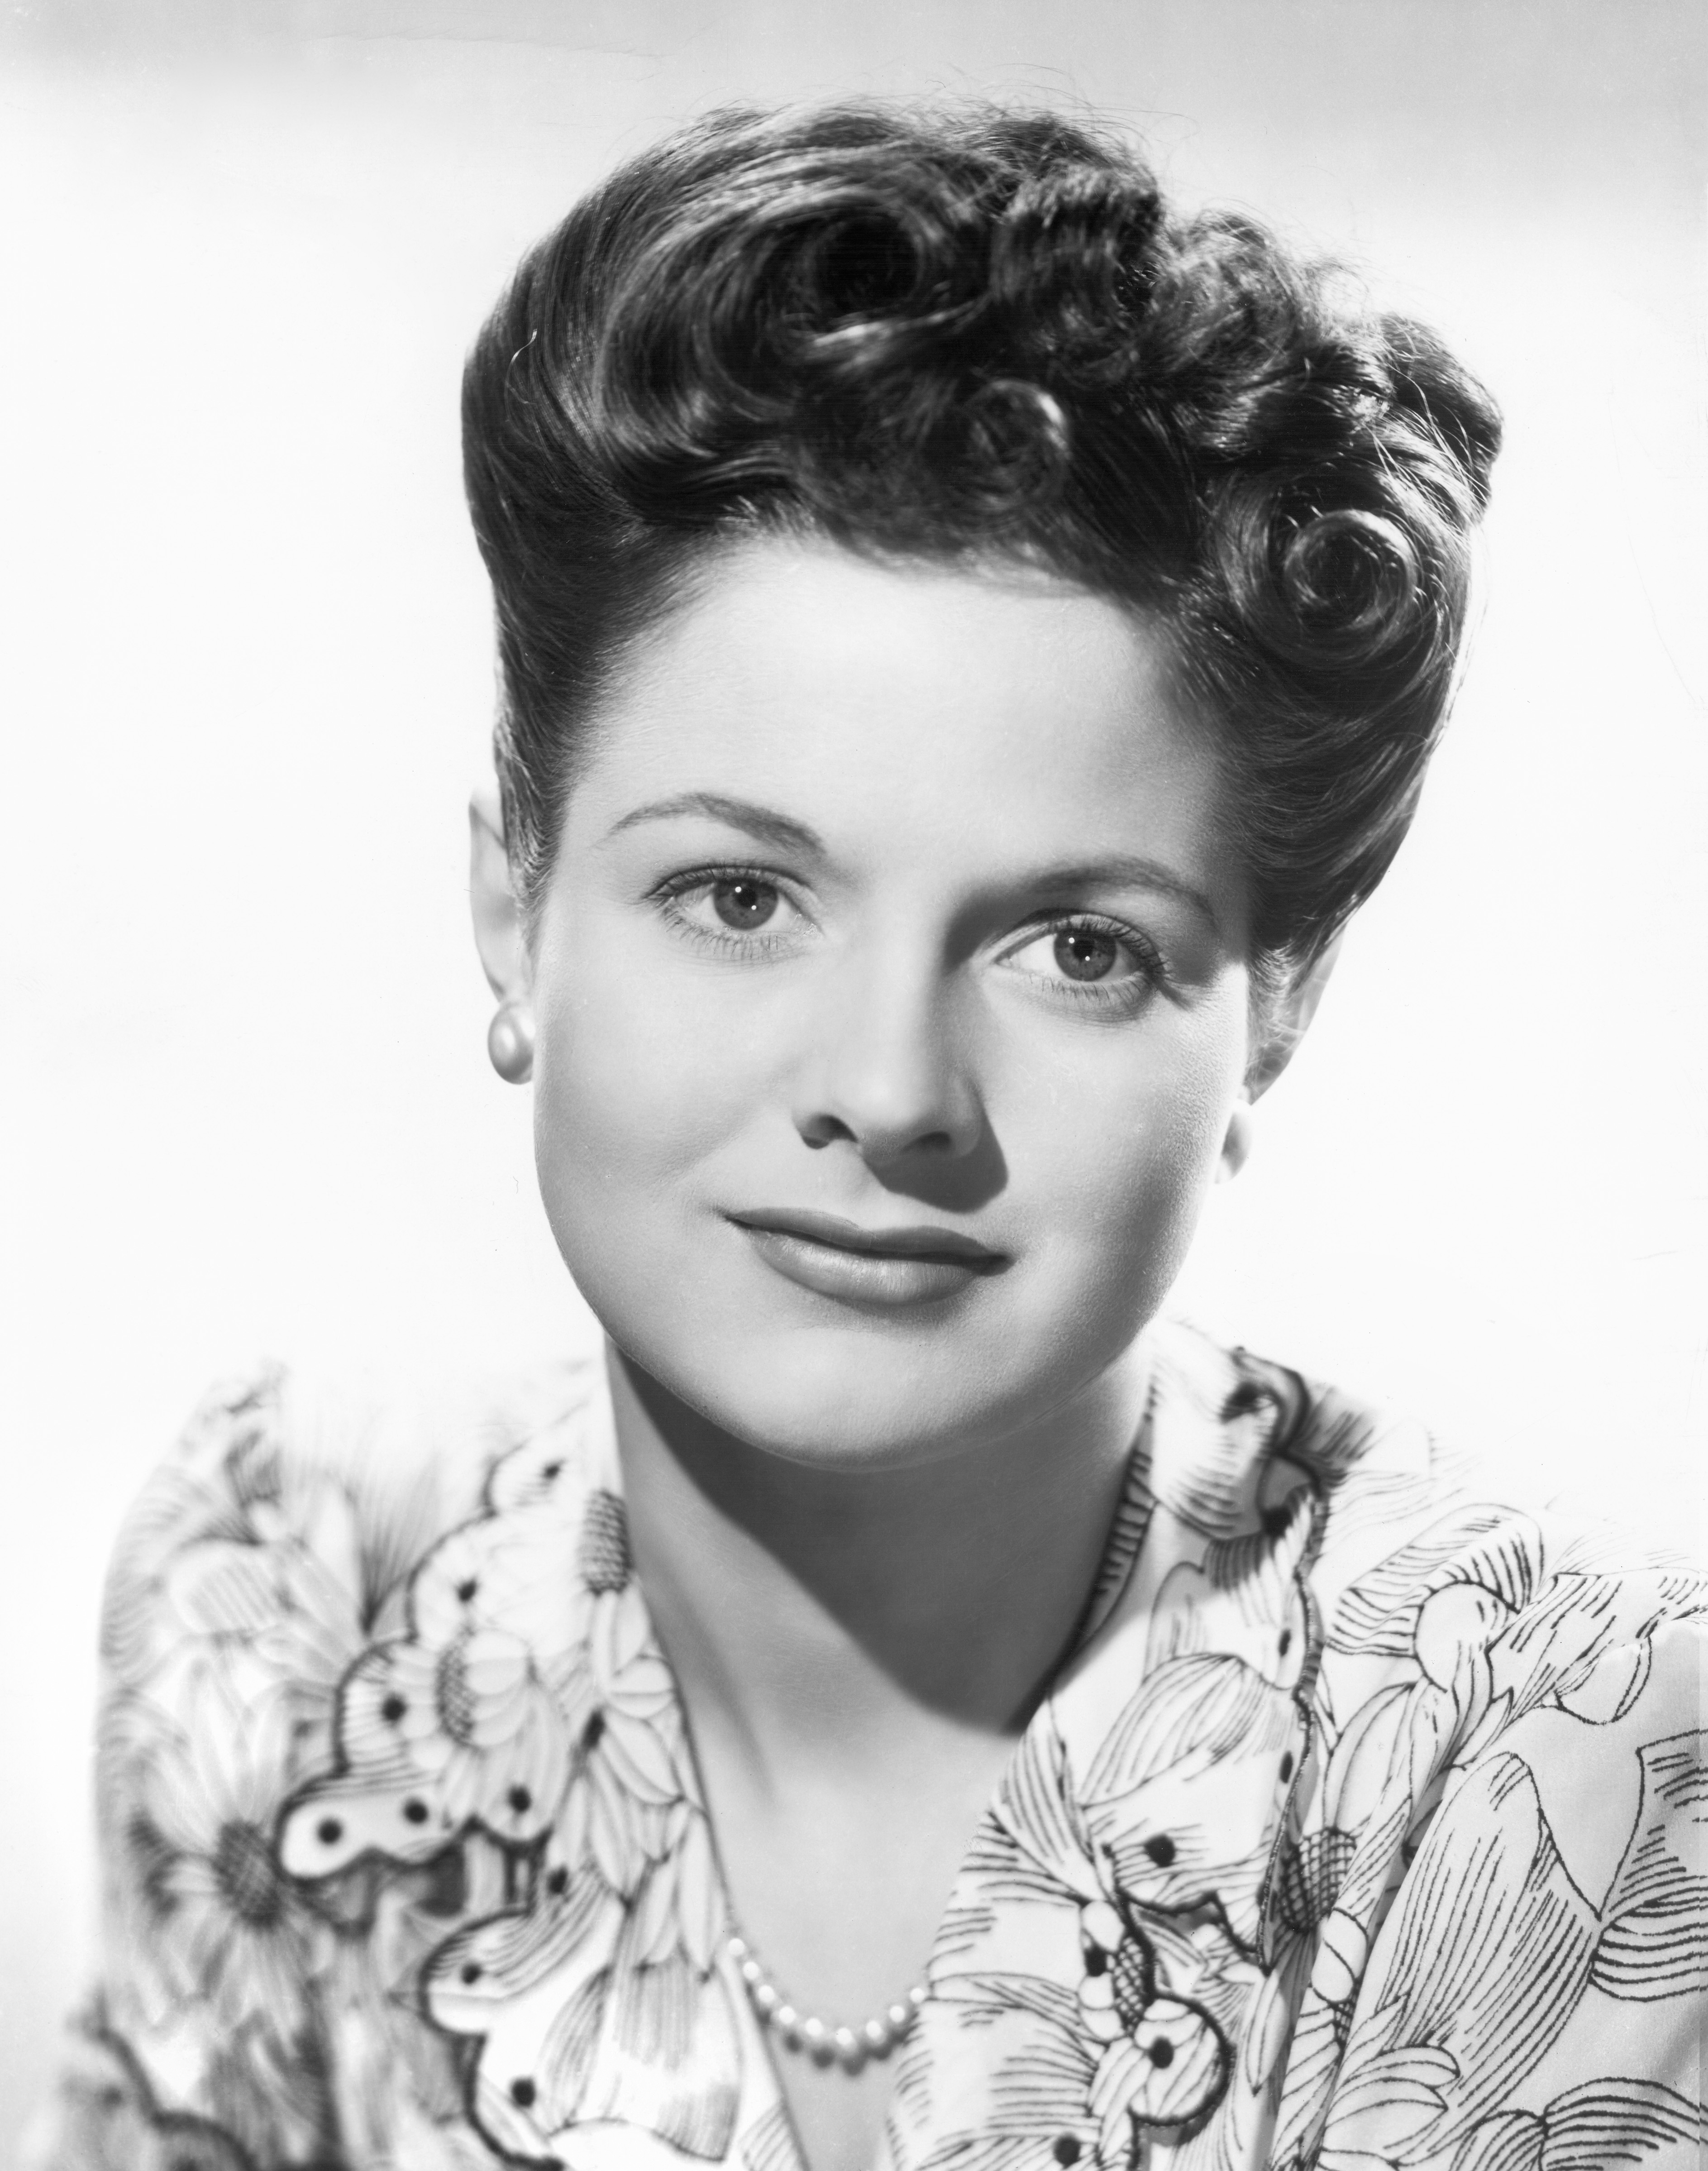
{"type": "Point", "coordinates": [969, 338]}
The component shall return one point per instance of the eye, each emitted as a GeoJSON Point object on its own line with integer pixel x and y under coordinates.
{"type": "Point", "coordinates": [1097, 957]}
{"type": "Point", "coordinates": [742, 901]}
{"type": "Point", "coordinates": [1090, 961]}
{"type": "Point", "coordinates": [734, 912]}
{"type": "Point", "coordinates": [1086, 953]}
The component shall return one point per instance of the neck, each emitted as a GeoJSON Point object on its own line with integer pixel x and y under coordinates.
{"type": "Point", "coordinates": [800, 1606]}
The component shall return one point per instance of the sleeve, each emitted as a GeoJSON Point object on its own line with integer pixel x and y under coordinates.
{"type": "Point", "coordinates": [240, 2018]}
{"type": "Point", "coordinates": [1533, 2000]}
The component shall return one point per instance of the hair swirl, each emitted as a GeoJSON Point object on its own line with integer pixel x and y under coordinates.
{"type": "Point", "coordinates": [977, 335]}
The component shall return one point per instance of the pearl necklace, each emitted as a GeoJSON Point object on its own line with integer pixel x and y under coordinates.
{"type": "Point", "coordinates": [848, 2047]}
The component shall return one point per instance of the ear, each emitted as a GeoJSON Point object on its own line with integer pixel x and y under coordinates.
{"type": "Point", "coordinates": [1284, 1028]}
{"type": "Point", "coordinates": [498, 930]}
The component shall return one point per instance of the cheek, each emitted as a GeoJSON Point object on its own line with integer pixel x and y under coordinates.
{"type": "Point", "coordinates": [1126, 1153]}
{"type": "Point", "coordinates": [632, 1084]}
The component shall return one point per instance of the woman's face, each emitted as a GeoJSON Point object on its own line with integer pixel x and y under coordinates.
{"type": "Point", "coordinates": [891, 1002]}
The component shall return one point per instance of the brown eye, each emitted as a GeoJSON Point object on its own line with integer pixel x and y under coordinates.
{"type": "Point", "coordinates": [740, 901]}
{"type": "Point", "coordinates": [1084, 954]}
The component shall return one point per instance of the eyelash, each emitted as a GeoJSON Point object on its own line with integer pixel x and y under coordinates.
{"type": "Point", "coordinates": [1121, 998]}
{"type": "Point", "coordinates": [724, 942]}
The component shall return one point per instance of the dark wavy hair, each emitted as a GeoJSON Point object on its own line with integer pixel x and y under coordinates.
{"type": "Point", "coordinates": [974, 336]}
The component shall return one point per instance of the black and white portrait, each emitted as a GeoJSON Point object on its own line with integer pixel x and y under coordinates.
{"type": "Point", "coordinates": [856, 1085]}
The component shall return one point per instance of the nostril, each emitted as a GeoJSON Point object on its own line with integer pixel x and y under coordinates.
{"type": "Point", "coordinates": [826, 1130]}
{"type": "Point", "coordinates": [890, 1083]}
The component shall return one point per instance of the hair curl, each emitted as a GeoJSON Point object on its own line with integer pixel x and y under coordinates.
{"type": "Point", "coordinates": [973, 335]}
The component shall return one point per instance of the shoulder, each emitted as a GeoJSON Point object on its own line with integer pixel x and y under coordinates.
{"type": "Point", "coordinates": [286, 1538]}
{"type": "Point", "coordinates": [1484, 1871]}
{"type": "Point", "coordinates": [282, 1531]}
{"type": "Point", "coordinates": [279, 1540]}
{"type": "Point", "coordinates": [1436, 1636]}
{"type": "Point", "coordinates": [280, 1493]}
{"type": "Point", "coordinates": [1503, 1601]}
{"type": "Point", "coordinates": [1400, 1519]}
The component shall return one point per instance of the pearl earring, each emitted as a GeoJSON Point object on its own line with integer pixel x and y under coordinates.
{"type": "Point", "coordinates": [510, 1042]}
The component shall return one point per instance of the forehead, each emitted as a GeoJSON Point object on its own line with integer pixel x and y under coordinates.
{"type": "Point", "coordinates": [992, 713]}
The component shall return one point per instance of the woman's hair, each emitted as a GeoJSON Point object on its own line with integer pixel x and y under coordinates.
{"type": "Point", "coordinates": [974, 337]}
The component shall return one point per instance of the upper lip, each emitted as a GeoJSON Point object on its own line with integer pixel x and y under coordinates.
{"type": "Point", "coordinates": [925, 1240]}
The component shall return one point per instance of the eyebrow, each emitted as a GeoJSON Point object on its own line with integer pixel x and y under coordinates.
{"type": "Point", "coordinates": [1121, 870]}
{"type": "Point", "coordinates": [764, 823]}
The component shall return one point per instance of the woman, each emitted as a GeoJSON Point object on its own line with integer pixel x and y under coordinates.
{"type": "Point", "coordinates": [970, 639]}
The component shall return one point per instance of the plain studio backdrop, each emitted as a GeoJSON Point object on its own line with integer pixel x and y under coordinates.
{"type": "Point", "coordinates": [245, 674]}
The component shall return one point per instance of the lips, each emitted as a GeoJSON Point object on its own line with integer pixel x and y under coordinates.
{"type": "Point", "coordinates": [919, 1264]}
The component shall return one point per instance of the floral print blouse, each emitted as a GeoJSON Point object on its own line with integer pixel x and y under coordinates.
{"type": "Point", "coordinates": [1360, 1828]}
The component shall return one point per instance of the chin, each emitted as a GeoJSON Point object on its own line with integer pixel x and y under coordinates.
{"type": "Point", "coordinates": [859, 1394]}
{"type": "Point", "coordinates": [817, 1408]}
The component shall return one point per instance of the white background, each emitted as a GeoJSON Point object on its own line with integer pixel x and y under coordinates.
{"type": "Point", "coordinates": [244, 676]}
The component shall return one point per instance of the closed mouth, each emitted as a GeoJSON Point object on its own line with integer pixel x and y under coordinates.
{"type": "Point", "coordinates": [928, 1243]}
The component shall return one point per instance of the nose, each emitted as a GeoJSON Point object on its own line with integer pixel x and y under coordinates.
{"type": "Point", "coordinates": [886, 1071]}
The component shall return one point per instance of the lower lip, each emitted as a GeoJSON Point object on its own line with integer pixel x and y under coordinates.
{"type": "Point", "coordinates": [861, 1277]}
